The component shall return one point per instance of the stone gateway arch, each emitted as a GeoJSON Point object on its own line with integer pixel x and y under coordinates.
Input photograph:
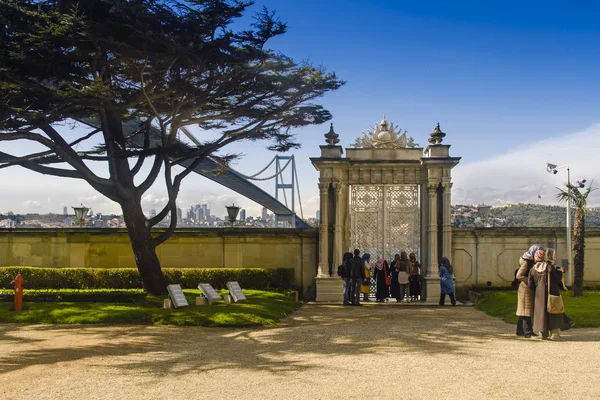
{"type": "Point", "coordinates": [385, 196]}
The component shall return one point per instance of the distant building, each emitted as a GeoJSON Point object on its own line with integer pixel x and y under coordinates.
{"type": "Point", "coordinates": [152, 213]}
{"type": "Point", "coordinates": [65, 210]}
{"type": "Point", "coordinates": [242, 215]}
{"type": "Point", "coordinates": [318, 215]}
{"type": "Point", "coordinates": [179, 215]}
{"type": "Point", "coordinates": [206, 211]}
{"type": "Point", "coordinates": [7, 223]}
{"type": "Point", "coordinates": [199, 214]}
{"type": "Point", "coordinates": [265, 213]}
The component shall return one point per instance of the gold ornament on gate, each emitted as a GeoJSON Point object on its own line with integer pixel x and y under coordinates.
{"type": "Point", "coordinates": [384, 136]}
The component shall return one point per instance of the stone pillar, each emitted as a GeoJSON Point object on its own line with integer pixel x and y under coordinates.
{"type": "Point", "coordinates": [432, 230]}
{"type": "Point", "coordinates": [338, 228]}
{"type": "Point", "coordinates": [432, 279]}
{"type": "Point", "coordinates": [447, 221]}
{"type": "Point", "coordinates": [323, 268]}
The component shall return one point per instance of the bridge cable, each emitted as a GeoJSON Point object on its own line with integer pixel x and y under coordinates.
{"type": "Point", "coordinates": [267, 178]}
{"type": "Point", "coordinates": [295, 172]}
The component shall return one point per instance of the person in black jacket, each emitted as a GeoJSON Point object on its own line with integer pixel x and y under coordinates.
{"type": "Point", "coordinates": [342, 272]}
{"type": "Point", "coordinates": [356, 272]}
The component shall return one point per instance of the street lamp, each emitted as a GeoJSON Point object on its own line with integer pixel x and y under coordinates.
{"type": "Point", "coordinates": [483, 212]}
{"type": "Point", "coordinates": [232, 212]}
{"type": "Point", "coordinates": [80, 214]}
{"type": "Point", "coordinates": [553, 169]}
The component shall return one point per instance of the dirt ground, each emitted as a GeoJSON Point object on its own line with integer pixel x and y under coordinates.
{"type": "Point", "coordinates": [320, 352]}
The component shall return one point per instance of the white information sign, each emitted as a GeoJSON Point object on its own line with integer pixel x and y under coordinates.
{"type": "Point", "coordinates": [208, 292]}
{"type": "Point", "coordinates": [177, 297]}
{"type": "Point", "coordinates": [236, 291]}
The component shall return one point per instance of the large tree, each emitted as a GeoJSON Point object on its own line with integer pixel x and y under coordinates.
{"type": "Point", "coordinates": [579, 199]}
{"type": "Point", "coordinates": [156, 65]}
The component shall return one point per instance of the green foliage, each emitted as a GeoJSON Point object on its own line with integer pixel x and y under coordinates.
{"type": "Point", "coordinates": [78, 295]}
{"type": "Point", "coordinates": [582, 310]}
{"type": "Point", "coordinates": [129, 278]}
{"type": "Point", "coordinates": [134, 73]}
{"type": "Point", "coordinates": [261, 308]}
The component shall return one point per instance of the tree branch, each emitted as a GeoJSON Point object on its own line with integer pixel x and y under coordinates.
{"type": "Point", "coordinates": [151, 176]}
{"type": "Point", "coordinates": [65, 173]}
{"type": "Point", "coordinates": [171, 207]}
{"type": "Point", "coordinates": [71, 157]}
{"type": "Point", "coordinates": [19, 135]}
{"type": "Point", "coordinates": [140, 161]}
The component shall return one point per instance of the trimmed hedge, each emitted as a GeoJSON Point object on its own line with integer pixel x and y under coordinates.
{"type": "Point", "coordinates": [79, 295]}
{"type": "Point", "coordinates": [129, 278]}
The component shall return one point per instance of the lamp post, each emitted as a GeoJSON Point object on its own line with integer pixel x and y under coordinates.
{"type": "Point", "coordinates": [483, 211]}
{"type": "Point", "coordinates": [80, 214]}
{"type": "Point", "coordinates": [232, 212]}
{"type": "Point", "coordinates": [553, 169]}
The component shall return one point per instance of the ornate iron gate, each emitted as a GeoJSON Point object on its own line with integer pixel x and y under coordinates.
{"type": "Point", "coordinates": [385, 220]}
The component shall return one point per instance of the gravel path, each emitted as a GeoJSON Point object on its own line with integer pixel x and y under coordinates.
{"type": "Point", "coordinates": [320, 352]}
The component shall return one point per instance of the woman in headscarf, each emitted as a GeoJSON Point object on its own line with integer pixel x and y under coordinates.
{"type": "Point", "coordinates": [395, 286]}
{"type": "Point", "coordinates": [525, 294]}
{"type": "Point", "coordinates": [402, 268]}
{"type": "Point", "coordinates": [365, 288]}
{"type": "Point", "coordinates": [380, 272]}
{"type": "Point", "coordinates": [545, 278]}
{"type": "Point", "coordinates": [414, 278]}
{"type": "Point", "coordinates": [446, 281]}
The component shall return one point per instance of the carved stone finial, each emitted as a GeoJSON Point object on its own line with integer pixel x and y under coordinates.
{"type": "Point", "coordinates": [437, 136]}
{"type": "Point", "coordinates": [384, 135]}
{"type": "Point", "coordinates": [332, 138]}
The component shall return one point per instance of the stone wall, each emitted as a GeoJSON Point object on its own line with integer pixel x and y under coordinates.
{"type": "Point", "coordinates": [479, 255]}
{"type": "Point", "coordinates": [187, 248]}
{"type": "Point", "coordinates": [491, 255]}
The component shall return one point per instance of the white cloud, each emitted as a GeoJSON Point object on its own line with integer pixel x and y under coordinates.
{"type": "Point", "coordinates": [32, 204]}
{"type": "Point", "coordinates": [520, 175]}
{"type": "Point", "coordinates": [152, 200]}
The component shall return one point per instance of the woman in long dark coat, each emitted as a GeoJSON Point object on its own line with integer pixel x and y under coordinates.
{"type": "Point", "coordinates": [381, 271]}
{"type": "Point", "coordinates": [415, 279]}
{"type": "Point", "coordinates": [395, 286]}
{"type": "Point", "coordinates": [543, 321]}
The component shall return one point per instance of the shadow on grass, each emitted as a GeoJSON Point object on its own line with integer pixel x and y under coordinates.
{"type": "Point", "coordinates": [262, 308]}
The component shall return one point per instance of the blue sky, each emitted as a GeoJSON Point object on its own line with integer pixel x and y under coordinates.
{"type": "Point", "coordinates": [500, 77]}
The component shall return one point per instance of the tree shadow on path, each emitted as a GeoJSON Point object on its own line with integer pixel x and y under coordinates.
{"type": "Point", "coordinates": [297, 344]}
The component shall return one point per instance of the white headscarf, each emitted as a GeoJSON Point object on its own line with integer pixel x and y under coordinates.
{"type": "Point", "coordinates": [529, 254]}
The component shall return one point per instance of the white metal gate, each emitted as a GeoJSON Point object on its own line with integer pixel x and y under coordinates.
{"type": "Point", "coordinates": [385, 220]}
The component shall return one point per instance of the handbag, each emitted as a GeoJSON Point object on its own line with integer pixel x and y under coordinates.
{"type": "Point", "coordinates": [388, 279]}
{"type": "Point", "coordinates": [555, 303]}
{"type": "Point", "coordinates": [366, 282]}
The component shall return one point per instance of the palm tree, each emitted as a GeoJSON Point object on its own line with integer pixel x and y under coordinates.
{"type": "Point", "coordinates": [579, 200]}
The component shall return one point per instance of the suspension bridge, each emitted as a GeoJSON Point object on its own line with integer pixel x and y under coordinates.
{"type": "Point", "coordinates": [235, 180]}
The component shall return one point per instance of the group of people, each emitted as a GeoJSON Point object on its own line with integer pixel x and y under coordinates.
{"type": "Point", "coordinates": [540, 281]}
{"type": "Point", "coordinates": [400, 280]}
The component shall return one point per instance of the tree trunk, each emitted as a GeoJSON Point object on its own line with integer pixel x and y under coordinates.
{"type": "Point", "coordinates": [144, 250]}
{"type": "Point", "coordinates": [579, 247]}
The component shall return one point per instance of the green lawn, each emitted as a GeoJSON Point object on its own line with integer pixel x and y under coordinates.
{"type": "Point", "coordinates": [584, 311]}
{"type": "Point", "coordinates": [261, 308]}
